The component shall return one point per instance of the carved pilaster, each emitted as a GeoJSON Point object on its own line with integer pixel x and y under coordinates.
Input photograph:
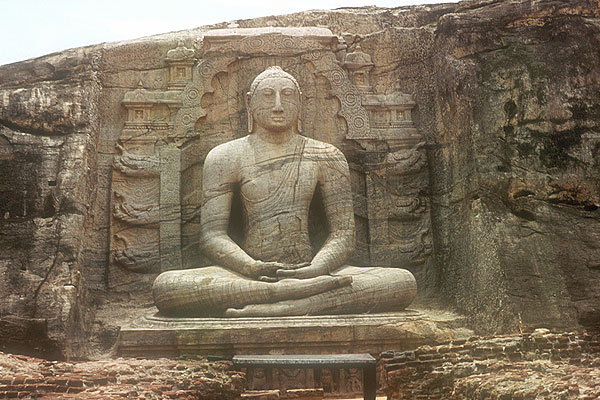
{"type": "Point", "coordinates": [395, 169]}
{"type": "Point", "coordinates": [134, 217]}
{"type": "Point", "coordinates": [397, 180]}
{"type": "Point", "coordinates": [170, 207]}
{"type": "Point", "coordinates": [146, 205]}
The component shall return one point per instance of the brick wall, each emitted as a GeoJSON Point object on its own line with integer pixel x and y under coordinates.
{"type": "Point", "coordinates": [27, 377]}
{"type": "Point", "coordinates": [537, 365]}
{"type": "Point", "coordinates": [540, 365]}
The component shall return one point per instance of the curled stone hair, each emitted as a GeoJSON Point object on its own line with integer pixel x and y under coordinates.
{"type": "Point", "coordinates": [271, 72]}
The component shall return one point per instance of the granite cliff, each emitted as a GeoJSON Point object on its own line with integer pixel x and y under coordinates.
{"type": "Point", "coordinates": [507, 97]}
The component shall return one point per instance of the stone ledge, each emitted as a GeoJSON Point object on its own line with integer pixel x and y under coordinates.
{"type": "Point", "coordinates": [156, 336]}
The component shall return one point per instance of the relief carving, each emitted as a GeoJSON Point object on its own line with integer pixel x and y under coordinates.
{"type": "Point", "coordinates": [180, 61]}
{"type": "Point", "coordinates": [139, 257]}
{"type": "Point", "coordinates": [135, 214]}
{"type": "Point", "coordinates": [274, 41]}
{"type": "Point", "coordinates": [131, 164]}
{"type": "Point", "coordinates": [353, 380]}
{"type": "Point", "coordinates": [359, 64]}
{"type": "Point", "coordinates": [149, 111]}
{"type": "Point", "coordinates": [351, 108]}
{"type": "Point", "coordinates": [291, 378]}
{"type": "Point", "coordinates": [405, 207]}
{"type": "Point", "coordinates": [346, 382]}
{"type": "Point", "coordinates": [403, 162]}
{"type": "Point", "coordinates": [146, 205]}
{"type": "Point", "coordinates": [395, 174]}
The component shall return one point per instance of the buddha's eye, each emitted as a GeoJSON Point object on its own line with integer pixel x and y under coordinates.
{"type": "Point", "coordinates": [288, 92]}
{"type": "Point", "coordinates": [268, 92]}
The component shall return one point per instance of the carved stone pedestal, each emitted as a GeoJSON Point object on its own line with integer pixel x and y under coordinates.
{"type": "Point", "coordinates": [156, 336]}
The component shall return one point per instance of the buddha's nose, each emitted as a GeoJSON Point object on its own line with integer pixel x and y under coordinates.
{"type": "Point", "coordinates": [277, 106]}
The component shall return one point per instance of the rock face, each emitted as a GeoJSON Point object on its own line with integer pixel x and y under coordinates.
{"type": "Point", "coordinates": [506, 101]}
{"type": "Point", "coordinates": [516, 158]}
{"type": "Point", "coordinates": [48, 155]}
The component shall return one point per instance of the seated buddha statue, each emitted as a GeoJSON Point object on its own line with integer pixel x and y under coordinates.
{"type": "Point", "coordinates": [275, 271]}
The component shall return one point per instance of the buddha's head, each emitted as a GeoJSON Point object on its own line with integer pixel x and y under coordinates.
{"type": "Point", "coordinates": [274, 101]}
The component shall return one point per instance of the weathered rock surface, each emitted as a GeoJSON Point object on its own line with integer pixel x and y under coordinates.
{"type": "Point", "coordinates": [506, 97]}
{"type": "Point", "coordinates": [48, 133]}
{"type": "Point", "coordinates": [515, 162]}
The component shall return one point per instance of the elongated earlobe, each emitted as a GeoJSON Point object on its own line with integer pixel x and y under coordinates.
{"type": "Point", "coordinates": [299, 111]}
{"type": "Point", "coordinates": [250, 121]}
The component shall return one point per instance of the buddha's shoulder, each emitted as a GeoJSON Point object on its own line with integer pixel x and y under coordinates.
{"type": "Point", "coordinates": [320, 149]}
{"type": "Point", "coordinates": [231, 151]}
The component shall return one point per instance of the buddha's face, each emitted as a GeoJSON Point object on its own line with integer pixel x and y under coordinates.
{"type": "Point", "coordinates": [275, 104]}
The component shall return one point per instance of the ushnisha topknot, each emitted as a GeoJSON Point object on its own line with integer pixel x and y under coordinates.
{"type": "Point", "coordinates": [272, 72]}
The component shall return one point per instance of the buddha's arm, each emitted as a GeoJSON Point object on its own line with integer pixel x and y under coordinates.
{"type": "Point", "coordinates": [218, 180]}
{"type": "Point", "coordinates": [334, 178]}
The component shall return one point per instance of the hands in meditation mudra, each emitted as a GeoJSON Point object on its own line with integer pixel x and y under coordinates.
{"type": "Point", "coordinates": [274, 273]}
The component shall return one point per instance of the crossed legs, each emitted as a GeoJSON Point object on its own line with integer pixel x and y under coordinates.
{"type": "Point", "coordinates": [216, 291]}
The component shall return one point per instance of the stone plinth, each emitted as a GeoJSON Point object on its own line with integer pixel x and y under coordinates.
{"type": "Point", "coordinates": [156, 336]}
